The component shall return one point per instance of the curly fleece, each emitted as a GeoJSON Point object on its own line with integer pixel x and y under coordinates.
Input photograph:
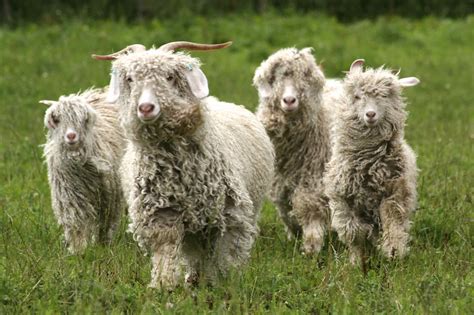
{"type": "Point", "coordinates": [301, 141]}
{"type": "Point", "coordinates": [199, 172]}
{"type": "Point", "coordinates": [85, 183]}
{"type": "Point", "coordinates": [371, 177]}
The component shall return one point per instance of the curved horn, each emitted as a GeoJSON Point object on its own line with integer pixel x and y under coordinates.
{"type": "Point", "coordinates": [192, 46]}
{"type": "Point", "coordinates": [126, 51]}
{"type": "Point", "coordinates": [47, 102]}
{"type": "Point", "coordinates": [396, 72]}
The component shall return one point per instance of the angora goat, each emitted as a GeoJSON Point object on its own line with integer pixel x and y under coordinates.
{"type": "Point", "coordinates": [83, 151]}
{"type": "Point", "coordinates": [197, 168]}
{"type": "Point", "coordinates": [291, 91]}
{"type": "Point", "coordinates": [371, 177]}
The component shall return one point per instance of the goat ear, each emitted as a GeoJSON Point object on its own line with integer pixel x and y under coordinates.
{"type": "Point", "coordinates": [48, 121]}
{"type": "Point", "coordinates": [197, 82]}
{"type": "Point", "coordinates": [114, 88]}
{"type": "Point", "coordinates": [92, 114]}
{"type": "Point", "coordinates": [264, 89]}
{"type": "Point", "coordinates": [410, 81]}
{"type": "Point", "coordinates": [357, 65]}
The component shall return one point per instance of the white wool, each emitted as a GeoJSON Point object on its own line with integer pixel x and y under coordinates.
{"type": "Point", "coordinates": [371, 177]}
{"type": "Point", "coordinates": [85, 184]}
{"type": "Point", "coordinates": [300, 138]}
{"type": "Point", "coordinates": [195, 176]}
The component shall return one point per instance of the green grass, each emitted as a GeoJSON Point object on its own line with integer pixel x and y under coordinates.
{"type": "Point", "coordinates": [42, 62]}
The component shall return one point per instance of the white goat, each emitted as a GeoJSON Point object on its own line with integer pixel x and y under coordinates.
{"type": "Point", "coordinates": [83, 151]}
{"type": "Point", "coordinates": [291, 91]}
{"type": "Point", "coordinates": [371, 177]}
{"type": "Point", "coordinates": [197, 169]}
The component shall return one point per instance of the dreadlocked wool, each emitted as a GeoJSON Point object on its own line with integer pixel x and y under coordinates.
{"type": "Point", "coordinates": [83, 152]}
{"type": "Point", "coordinates": [371, 177]}
{"type": "Point", "coordinates": [292, 108]}
{"type": "Point", "coordinates": [195, 169]}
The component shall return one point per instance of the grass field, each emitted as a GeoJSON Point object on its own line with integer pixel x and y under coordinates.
{"type": "Point", "coordinates": [42, 62]}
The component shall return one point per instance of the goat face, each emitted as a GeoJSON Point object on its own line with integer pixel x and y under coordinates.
{"type": "Point", "coordinates": [374, 96]}
{"type": "Point", "coordinates": [158, 93]}
{"type": "Point", "coordinates": [288, 79]}
{"type": "Point", "coordinates": [70, 122]}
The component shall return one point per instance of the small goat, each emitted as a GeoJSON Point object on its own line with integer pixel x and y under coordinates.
{"type": "Point", "coordinates": [291, 90]}
{"type": "Point", "coordinates": [83, 151]}
{"type": "Point", "coordinates": [371, 177]}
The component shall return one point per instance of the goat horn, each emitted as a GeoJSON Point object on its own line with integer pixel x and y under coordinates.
{"type": "Point", "coordinates": [47, 102]}
{"type": "Point", "coordinates": [126, 51]}
{"type": "Point", "coordinates": [192, 46]}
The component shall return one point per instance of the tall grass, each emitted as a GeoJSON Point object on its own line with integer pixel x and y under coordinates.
{"type": "Point", "coordinates": [38, 275]}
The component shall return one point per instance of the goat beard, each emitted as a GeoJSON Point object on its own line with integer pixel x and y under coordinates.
{"type": "Point", "coordinates": [78, 155]}
{"type": "Point", "coordinates": [362, 135]}
{"type": "Point", "coordinates": [184, 122]}
{"type": "Point", "coordinates": [173, 123]}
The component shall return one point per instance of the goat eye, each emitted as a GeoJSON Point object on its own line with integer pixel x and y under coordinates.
{"type": "Point", "coordinates": [129, 79]}
{"type": "Point", "coordinates": [357, 97]}
{"type": "Point", "coordinates": [53, 122]}
{"type": "Point", "coordinates": [169, 78]}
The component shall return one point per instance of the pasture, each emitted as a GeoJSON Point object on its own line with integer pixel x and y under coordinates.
{"type": "Point", "coordinates": [45, 61]}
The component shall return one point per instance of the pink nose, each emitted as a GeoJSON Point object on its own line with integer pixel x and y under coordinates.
{"type": "Point", "coordinates": [370, 114]}
{"type": "Point", "coordinates": [71, 136]}
{"type": "Point", "coordinates": [289, 100]}
{"type": "Point", "coordinates": [146, 108]}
